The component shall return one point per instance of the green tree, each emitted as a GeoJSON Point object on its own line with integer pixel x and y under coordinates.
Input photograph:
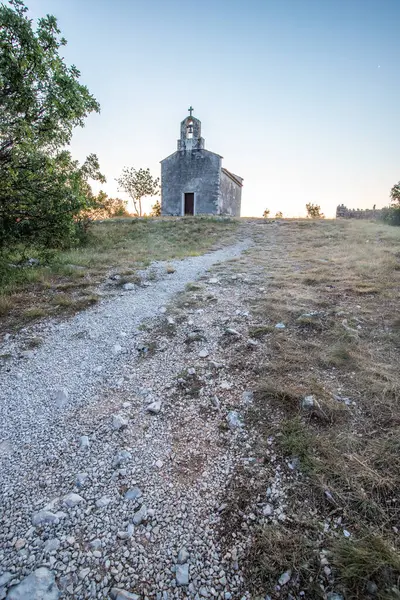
{"type": "Point", "coordinates": [41, 101]}
{"type": "Point", "coordinates": [156, 209]}
{"type": "Point", "coordinates": [42, 197]}
{"type": "Point", "coordinates": [279, 215]}
{"type": "Point", "coordinates": [395, 194]}
{"type": "Point", "coordinates": [138, 183]}
{"type": "Point", "coordinates": [266, 213]}
{"type": "Point", "coordinates": [314, 211]}
{"type": "Point", "coordinates": [391, 214]}
{"type": "Point", "coordinates": [104, 207]}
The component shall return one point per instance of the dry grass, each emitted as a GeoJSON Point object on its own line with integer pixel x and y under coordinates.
{"type": "Point", "coordinates": [370, 559]}
{"type": "Point", "coordinates": [335, 285]}
{"type": "Point", "coordinates": [278, 550]}
{"type": "Point", "coordinates": [260, 330]}
{"type": "Point", "coordinates": [5, 305]}
{"type": "Point", "coordinates": [33, 342]}
{"type": "Point", "coordinates": [119, 246]}
{"type": "Point", "coordinates": [33, 313]}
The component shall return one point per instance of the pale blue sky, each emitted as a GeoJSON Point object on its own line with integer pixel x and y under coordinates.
{"type": "Point", "coordinates": [300, 97]}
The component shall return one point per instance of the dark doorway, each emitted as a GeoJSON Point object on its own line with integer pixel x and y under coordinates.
{"type": "Point", "coordinates": [189, 204]}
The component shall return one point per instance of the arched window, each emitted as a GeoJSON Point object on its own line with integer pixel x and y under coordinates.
{"type": "Point", "coordinates": [189, 130]}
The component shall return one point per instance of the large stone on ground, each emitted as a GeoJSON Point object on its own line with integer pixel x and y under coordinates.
{"type": "Point", "coordinates": [128, 286]}
{"type": "Point", "coordinates": [80, 479]}
{"type": "Point", "coordinates": [119, 422]}
{"type": "Point", "coordinates": [84, 442]}
{"type": "Point", "coordinates": [248, 396]}
{"type": "Point", "coordinates": [44, 517]}
{"type": "Point", "coordinates": [6, 578]}
{"type": "Point", "coordinates": [183, 556]}
{"type": "Point", "coordinates": [234, 420]}
{"type": "Point", "coordinates": [52, 545]}
{"type": "Point", "coordinates": [103, 501]}
{"type": "Point", "coordinates": [118, 594]}
{"type": "Point", "coordinates": [133, 493]}
{"type": "Point", "coordinates": [231, 331]}
{"type": "Point", "coordinates": [182, 574]}
{"type": "Point", "coordinates": [308, 402]}
{"type": "Point", "coordinates": [140, 515]}
{"type": "Point", "coordinates": [61, 397]}
{"type": "Point", "coordinates": [39, 585]}
{"type": "Point", "coordinates": [71, 500]}
{"type": "Point", "coordinates": [154, 407]}
{"type": "Point", "coordinates": [121, 457]}
{"type": "Point", "coordinates": [285, 578]}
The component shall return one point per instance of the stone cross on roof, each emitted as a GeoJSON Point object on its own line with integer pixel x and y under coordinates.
{"type": "Point", "coordinates": [190, 109]}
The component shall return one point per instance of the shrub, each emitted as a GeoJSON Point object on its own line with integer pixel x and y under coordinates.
{"type": "Point", "coordinates": [156, 209]}
{"type": "Point", "coordinates": [391, 215]}
{"type": "Point", "coordinates": [314, 211]}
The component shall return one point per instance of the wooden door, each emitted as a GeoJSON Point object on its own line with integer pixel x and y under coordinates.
{"type": "Point", "coordinates": [189, 204]}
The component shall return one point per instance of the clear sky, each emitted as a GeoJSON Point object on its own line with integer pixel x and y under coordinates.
{"type": "Point", "coordinates": [300, 97]}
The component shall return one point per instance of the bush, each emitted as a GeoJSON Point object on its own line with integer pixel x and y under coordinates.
{"type": "Point", "coordinates": [42, 199]}
{"type": "Point", "coordinates": [314, 211]}
{"type": "Point", "coordinates": [391, 215]}
{"type": "Point", "coordinates": [156, 209]}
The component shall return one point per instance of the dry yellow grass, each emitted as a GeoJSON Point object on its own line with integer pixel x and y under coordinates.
{"type": "Point", "coordinates": [64, 284]}
{"type": "Point", "coordinates": [335, 286]}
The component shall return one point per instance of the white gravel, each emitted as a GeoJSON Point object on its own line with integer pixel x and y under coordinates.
{"type": "Point", "coordinates": [69, 367]}
{"type": "Point", "coordinates": [124, 445]}
{"type": "Point", "coordinates": [76, 435]}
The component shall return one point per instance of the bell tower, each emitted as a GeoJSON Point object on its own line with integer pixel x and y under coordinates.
{"type": "Point", "coordinates": [191, 134]}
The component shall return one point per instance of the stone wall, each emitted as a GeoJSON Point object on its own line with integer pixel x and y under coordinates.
{"type": "Point", "coordinates": [342, 212]}
{"type": "Point", "coordinates": [230, 196]}
{"type": "Point", "coordinates": [195, 171]}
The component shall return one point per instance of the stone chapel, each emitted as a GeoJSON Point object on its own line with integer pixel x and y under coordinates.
{"type": "Point", "coordinates": [193, 180]}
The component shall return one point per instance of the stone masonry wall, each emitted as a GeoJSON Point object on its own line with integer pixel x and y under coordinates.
{"type": "Point", "coordinates": [230, 198]}
{"type": "Point", "coordinates": [195, 171]}
{"type": "Point", "coordinates": [342, 212]}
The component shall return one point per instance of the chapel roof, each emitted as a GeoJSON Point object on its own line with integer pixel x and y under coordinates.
{"type": "Point", "coordinates": [235, 178]}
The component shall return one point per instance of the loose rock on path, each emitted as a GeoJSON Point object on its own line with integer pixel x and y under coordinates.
{"type": "Point", "coordinates": [112, 464]}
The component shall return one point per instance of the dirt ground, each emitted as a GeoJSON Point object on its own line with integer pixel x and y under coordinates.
{"type": "Point", "coordinates": [325, 374]}
{"type": "Point", "coordinates": [278, 372]}
{"type": "Point", "coordinates": [315, 496]}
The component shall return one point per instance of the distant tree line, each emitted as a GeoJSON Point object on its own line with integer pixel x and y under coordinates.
{"type": "Point", "coordinates": [389, 214]}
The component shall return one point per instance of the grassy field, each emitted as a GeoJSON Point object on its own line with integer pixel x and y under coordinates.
{"type": "Point", "coordinates": [67, 283]}
{"type": "Point", "coordinates": [335, 286]}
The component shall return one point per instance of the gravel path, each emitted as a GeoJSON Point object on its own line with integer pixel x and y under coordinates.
{"type": "Point", "coordinates": [68, 369]}
{"type": "Point", "coordinates": [132, 506]}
